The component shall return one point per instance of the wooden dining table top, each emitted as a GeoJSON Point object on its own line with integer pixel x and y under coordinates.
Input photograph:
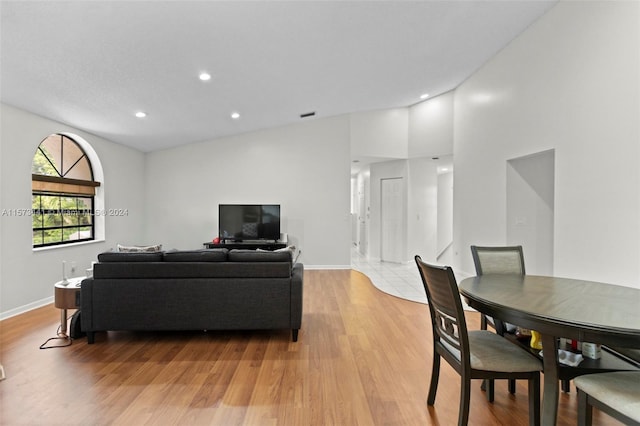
{"type": "Point", "coordinates": [566, 307]}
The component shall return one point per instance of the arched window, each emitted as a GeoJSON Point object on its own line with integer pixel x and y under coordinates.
{"type": "Point", "coordinates": [63, 192]}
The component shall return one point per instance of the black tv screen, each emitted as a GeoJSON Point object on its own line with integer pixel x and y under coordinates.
{"type": "Point", "coordinates": [247, 222]}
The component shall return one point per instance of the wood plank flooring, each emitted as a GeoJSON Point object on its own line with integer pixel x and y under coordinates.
{"type": "Point", "coordinates": [363, 358]}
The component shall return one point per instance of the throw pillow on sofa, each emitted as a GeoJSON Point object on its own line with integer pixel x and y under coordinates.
{"type": "Point", "coordinates": [137, 249]}
{"type": "Point", "coordinates": [289, 249]}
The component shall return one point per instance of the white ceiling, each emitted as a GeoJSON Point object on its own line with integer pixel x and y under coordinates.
{"type": "Point", "coordinates": [93, 64]}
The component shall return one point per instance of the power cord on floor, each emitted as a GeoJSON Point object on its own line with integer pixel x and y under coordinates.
{"type": "Point", "coordinates": [60, 336]}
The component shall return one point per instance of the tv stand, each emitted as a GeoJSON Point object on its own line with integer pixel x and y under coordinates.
{"type": "Point", "coordinates": [266, 245]}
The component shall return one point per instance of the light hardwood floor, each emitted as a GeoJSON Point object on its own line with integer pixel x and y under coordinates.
{"type": "Point", "coordinates": [363, 358]}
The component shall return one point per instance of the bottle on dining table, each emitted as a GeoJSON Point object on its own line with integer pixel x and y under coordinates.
{"type": "Point", "coordinates": [536, 340]}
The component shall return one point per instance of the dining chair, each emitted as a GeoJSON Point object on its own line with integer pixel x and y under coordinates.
{"type": "Point", "coordinates": [474, 354]}
{"type": "Point", "coordinates": [497, 260]}
{"type": "Point", "coordinates": [615, 393]}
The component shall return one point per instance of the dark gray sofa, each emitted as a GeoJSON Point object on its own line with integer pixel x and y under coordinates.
{"type": "Point", "coordinates": [211, 289]}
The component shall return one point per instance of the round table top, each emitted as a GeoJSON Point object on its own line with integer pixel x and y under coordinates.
{"type": "Point", "coordinates": [71, 283]}
{"type": "Point", "coordinates": [557, 304]}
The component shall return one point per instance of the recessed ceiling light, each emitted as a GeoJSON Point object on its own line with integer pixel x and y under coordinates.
{"type": "Point", "coordinates": [424, 96]}
{"type": "Point", "coordinates": [235, 115]}
{"type": "Point", "coordinates": [205, 76]}
{"type": "Point", "coordinates": [141, 114]}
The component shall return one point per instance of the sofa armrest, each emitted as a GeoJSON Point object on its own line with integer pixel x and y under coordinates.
{"type": "Point", "coordinates": [297, 278]}
{"type": "Point", "coordinates": [86, 303]}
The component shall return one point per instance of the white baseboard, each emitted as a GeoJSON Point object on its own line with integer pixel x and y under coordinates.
{"type": "Point", "coordinates": [25, 308]}
{"type": "Point", "coordinates": [309, 267]}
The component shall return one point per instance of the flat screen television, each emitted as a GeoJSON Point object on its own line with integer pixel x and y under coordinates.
{"type": "Point", "coordinates": [249, 222]}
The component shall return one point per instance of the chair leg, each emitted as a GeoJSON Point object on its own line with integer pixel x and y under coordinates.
{"type": "Point", "coordinates": [585, 410]}
{"type": "Point", "coordinates": [490, 386]}
{"type": "Point", "coordinates": [566, 385]}
{"type": "Point", "coordinates": [512, 386]}
{"type": "Point", "coordinates": [435, 373]}
{"type": "Point", "coordinates": [465, 396]}
{"type": "Point", "coordinates": [534, 400]}
{"type": "Point", "coordinates": [483, 322]}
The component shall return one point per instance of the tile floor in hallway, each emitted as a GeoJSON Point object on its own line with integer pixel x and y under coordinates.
{"type": "Point", "coordinates": [397, 279]}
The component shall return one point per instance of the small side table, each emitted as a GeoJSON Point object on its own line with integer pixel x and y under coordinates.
{"type": "Point", "coordinates": [67, 296]}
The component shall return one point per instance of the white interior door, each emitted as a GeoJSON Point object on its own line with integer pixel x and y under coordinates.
{"type": "Point", "coordinates": [392, 219]}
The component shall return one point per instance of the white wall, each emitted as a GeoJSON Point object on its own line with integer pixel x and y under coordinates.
{"type": "Point", "coordinates": [303, 167]}
{"type": "Point", "coordinates": [422, 214]}
{"type": "Point", "coordinates": [569, 83]}
{"type": "Point", "coordinates": [430, 216]}
{"type": "Point", "coordinates": [445, 216]}
{"type": "Point", "coordinates": [530, 209]}
{"type": "Point", "coordinates": [172, 196]}
{"type": "Point", "coordinates": [27, 276]}
{"type": "Point", "coordinates": [380, 133]}
{"type": "Point", "coordinates": [413, 135]}
{"type": "Point", "coordinates": [431, 127]}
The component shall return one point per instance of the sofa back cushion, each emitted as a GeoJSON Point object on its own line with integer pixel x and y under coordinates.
{"type": "Point", "coordinates": [114, 256]}
{"type": "Point", "coordinates": [206, 263]}
{"type": "Point", "coordinates": [259, 256]}
{"type": "Point", "coordinates": [204, 255]}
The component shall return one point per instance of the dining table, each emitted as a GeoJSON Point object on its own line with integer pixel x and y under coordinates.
{"type": "Point", "coordinates": [557, 307]}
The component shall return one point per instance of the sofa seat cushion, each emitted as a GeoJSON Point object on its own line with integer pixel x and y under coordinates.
{"type": "Point", "coordinates": [138, 270]}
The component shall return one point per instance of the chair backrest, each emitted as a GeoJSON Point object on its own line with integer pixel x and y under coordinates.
{"type": "Point", "coordinates": [498, 260]}
{"type": "Point", "coordinates": [447, 315]}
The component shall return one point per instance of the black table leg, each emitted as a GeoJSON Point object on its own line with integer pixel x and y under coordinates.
{"type": "Point", "coordinates": [551, 392]}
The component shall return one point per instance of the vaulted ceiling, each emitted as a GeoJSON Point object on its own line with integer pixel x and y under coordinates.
{"type": "Point", "coordinates": [94, 64]}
